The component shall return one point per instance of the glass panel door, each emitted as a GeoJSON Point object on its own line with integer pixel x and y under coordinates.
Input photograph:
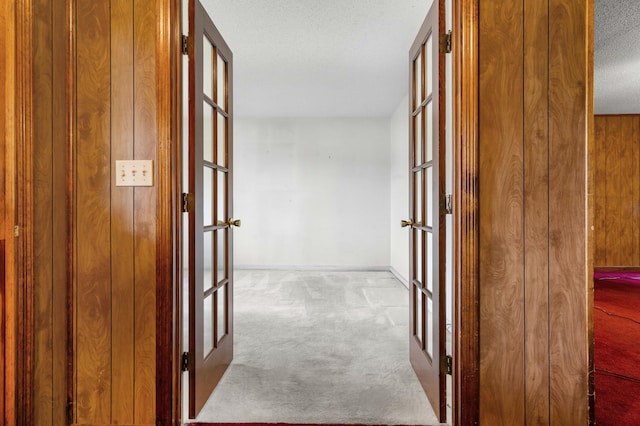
{"type": "Point", "coordinates": [427, 336]}
{"type": "Point", "coordinates": [210, 183]}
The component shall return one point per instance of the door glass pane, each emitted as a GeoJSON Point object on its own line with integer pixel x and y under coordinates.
{"type": "Point", "coordinates": [428, 132]}
{"type": "Point", "coordinates": [207, 325]}
{"type": "Point", "coordinates": [221, 98]}
{"type": "Point", "coordinates": [207, 196]}
{"type": "Point", "coordinates": [428, 52]}
{"type": "Point", "coordinates": [418, 311]}
{"type": "Point", "coordinates": [222, 198]}
{"type": "Point", "coordinates": [221, 140]}
{"type": "Point", "coordinates": [419, 260]}
{"type": "Point", "coordinates": [207, 132]}
{"type": "Point", "coordinates": [221, 255]}
{"type": "Point", "coordinates": [222, 312]}
{"type": "Point", "coordinates": [429, 196]}
{"type": "Point", "coordinates": [418, 189]}
{"type": "Point", "coordinates": [418, 139]}
{"type": "Point", "coordinates": [207, 67]}
{"type": "Point", "coordinates": [429, 261]}
{"type": "Point", "coordinates": [429, 329]}
{"type": "Point", "coordinates": [207, 254]}
{"type": "Point", "coordinates": [417, 72]}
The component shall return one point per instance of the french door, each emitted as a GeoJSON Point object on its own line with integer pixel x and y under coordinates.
{"type": "Point", "coordinates": [209, 204]}
{"type": "Point", "coordinates": [426, 189]}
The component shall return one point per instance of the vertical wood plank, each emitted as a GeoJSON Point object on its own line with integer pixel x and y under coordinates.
{"type": "Point", "coordinates": [4, 95]}
{"type": "Point", "coordinates": [60, 229]}
{"type": "Point", "coordinates": [635, 182]}
{"type": "Point", "coordinates": [43, 212]}
{"type": "Point", "coordinates": [144, 215]}
{"type": "Point", "coordinates": [93, 274]}
{"type": "Point", "coordinates": [8, 167]}
{"type": "Point", "coordinates": [600, 193]}
{"type": "Point", "coordinates": [568, 280]}
{"type": "Point", "coordinates": [536, 210]}
{"type": "Point", "coordinates": [501, 214]}
{"type": "Point", "coordinates": [612, 191]}
{"type": "Point", "coordinates": [625, 191]}
{"type": "Point", "coordinates": [122, 232]}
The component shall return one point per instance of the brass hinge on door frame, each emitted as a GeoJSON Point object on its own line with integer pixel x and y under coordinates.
{"type": "Point", "coordinates": [445, 42]}
{"type": "Point", "coordinates": [185, 363]}
{"type": "Point", "coordinates": [187, 202]}
{"type": "Point", "coordinates": [446, 204]}
{"type": "Point", "coordinates": [447, 365]}
{"type": "Point", "coordinates": [185, 45]}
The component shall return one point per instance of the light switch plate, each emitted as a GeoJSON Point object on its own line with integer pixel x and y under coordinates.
{"type": "Point", "coordinates": [134, 172]}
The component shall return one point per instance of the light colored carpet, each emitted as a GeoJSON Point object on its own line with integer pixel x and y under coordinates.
{"type": "Point", "coordinates": [320, 347]}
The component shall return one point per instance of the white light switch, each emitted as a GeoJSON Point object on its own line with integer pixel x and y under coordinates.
{"type": "Point", "coordinates": [134, 172]}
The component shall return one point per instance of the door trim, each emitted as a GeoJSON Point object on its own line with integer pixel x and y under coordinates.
{"type": "Point", "coordinates": [168, 226]}
{"type": "Point", "coordinates": [466, 379]}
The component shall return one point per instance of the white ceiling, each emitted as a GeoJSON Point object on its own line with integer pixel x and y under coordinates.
{"type": "Point", "coordinates": [617, 57]}
{"type": "Point", "coordinates": [348, 58]}
{"type": "Point", "coordinates": [341, 58]}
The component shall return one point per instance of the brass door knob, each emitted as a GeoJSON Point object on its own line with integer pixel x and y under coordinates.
{"type": "Point", "coordinates": [234, 222]}
{"type": "Point", "coordinates": [406, 223]}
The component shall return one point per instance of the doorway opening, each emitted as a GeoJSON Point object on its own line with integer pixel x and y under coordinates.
{"type": "Point", "coordinates": [260, 137]}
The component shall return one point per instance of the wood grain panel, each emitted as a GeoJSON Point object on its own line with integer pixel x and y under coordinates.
{"type": "Point", "coordinates": [122, 208]}
{"type": "Point", "coordinates": [43, 212]}
{"type": "Point", "coordinates": [60, 229]}
{"type": "Point", "coordinates": [617, 190]}
{"type": "Point", "coordinates": [501, 214]}
{"type": "Point", "coordinates": [536, 202]}
{"type": "Point", "coordinates": [144, 215]}
{"type": "Point", "coordinates": [612, 191]}
{"type": "Point", "coordinates": [634, 214]}
{"type": "Point", "coordinates": [93, 218]}
{"type": "Point", "coordinates": [625, 194]}
{"type": "Point", "coordinates": [568, 278]}
{"type": "Point", "coordinates": [600, 178]}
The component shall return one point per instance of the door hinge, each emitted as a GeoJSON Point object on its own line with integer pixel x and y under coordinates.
{"type": "Point", "coordinates": [447, 365]}
{"type": "Point", "coordinates": [445, 42]}
{"type": "Point", "coordinates": [185, 45]}
{"type": "Point", "coordinates": [187, 202]}
{"type": "Point", "coordinates": [446, 204]}
{"type": "Point", "coordinates": [16, 231]}
{"type": "Point", "coordinates": [185, 365]}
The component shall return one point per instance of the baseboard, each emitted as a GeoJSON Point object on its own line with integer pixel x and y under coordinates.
{"type": "Point", "coordinates": [399, 277]}
{"type": "Point", "coordinates": [331, 268]}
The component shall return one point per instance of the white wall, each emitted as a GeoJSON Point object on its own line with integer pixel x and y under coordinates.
{"type": "Point", "coordinates": [399, 189]}
{"type": "Point", "coordinates": [312, 192]}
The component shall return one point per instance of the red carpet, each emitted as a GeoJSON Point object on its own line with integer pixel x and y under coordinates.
{"type": "Point", "coordinates": [616, 350]}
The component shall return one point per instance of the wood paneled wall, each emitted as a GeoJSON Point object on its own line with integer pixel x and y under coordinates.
{"type": "Point", "coordinates": [115, 241]}
{"type": "Point", "coordinates": [534, 84]}
{"type": "Point", "coordinates": [94, 256]}
{"type": "Point", "coordinates": [617, 190]}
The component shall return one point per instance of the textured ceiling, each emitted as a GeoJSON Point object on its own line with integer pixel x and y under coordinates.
{"type": "Point", "coordinates": [318, 57]}
{"type": "Point", "coordinates": [617, 57]}
{"type": "Point", "coordinates": [349, 57]}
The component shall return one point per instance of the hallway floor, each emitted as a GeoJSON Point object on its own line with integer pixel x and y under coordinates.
{"type": "Point", "coordinates": [320, 347]}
